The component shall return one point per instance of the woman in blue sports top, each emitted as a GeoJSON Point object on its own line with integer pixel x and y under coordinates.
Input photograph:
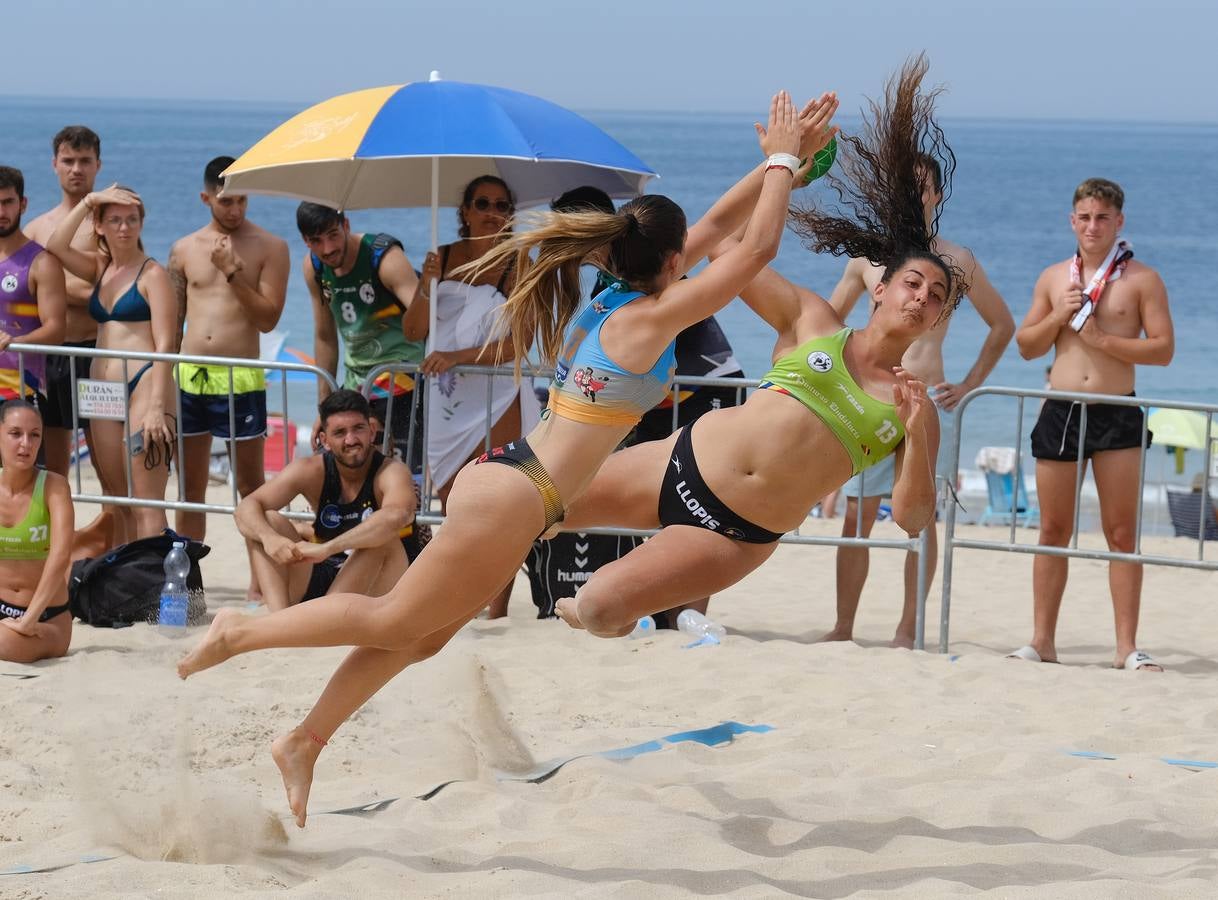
{"type": "Point", "coordinates": [36, 523]}
{"type": "Point", "coordinates": [134, 305]}
{"type": "Point", "coordinates": [499, 504]}
{"type": "Point", "coordinates": [836, 401]}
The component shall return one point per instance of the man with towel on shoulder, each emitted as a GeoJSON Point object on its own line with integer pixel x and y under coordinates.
{"type": "Point", "coordinates": [1104, 313]}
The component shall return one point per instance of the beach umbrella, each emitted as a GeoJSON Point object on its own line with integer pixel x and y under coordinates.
{"type": "Point", "coordinates": [1180, 428]}
{"type": "Point", "coordinates": [419, 144]}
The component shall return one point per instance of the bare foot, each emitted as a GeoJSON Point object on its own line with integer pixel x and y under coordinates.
{"type": "Point", "coordinates": [901, 642]}
{"type": "Point", "coordinates": [214, 648]}
{"type": "Point", "coordinates": [295, 753]}
{"type": "Point", "coordinates": [568, 610]}
{"type": "Point", "coordinates": [835, 635]}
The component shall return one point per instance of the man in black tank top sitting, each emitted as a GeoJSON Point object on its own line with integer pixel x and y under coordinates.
{"type": "Point", "coordinates": [364, 509]}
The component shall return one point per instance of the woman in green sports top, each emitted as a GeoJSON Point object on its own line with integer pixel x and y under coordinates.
{"type": "Point", "coordinates": [36, 524]}
{"type": "Point", "coordinates": [501, 503]}
{"type": "Point", "coordinates": [835, 402]}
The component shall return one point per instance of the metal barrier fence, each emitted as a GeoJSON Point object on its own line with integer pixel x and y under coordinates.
{"type": "Point", "coordinates": [918, 544]}
{"type": "Point", "coordinates": [228, 362]}
{"type": "Point", "coordinates": [951, 541]}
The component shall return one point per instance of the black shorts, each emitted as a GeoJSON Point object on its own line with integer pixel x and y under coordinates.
{"type": "Point", "coordinates": [656, 424]}
{"type": "Point", "coordinates": [321, 579]}
{"type": "Point", "coordinates": [1109, 427]}
{"type": "Point", "coordinates": [685, 499]}
{"type": "Point", "coordinates": [208, 414]}
{"type": "Point", "coordinates": [61, 388]}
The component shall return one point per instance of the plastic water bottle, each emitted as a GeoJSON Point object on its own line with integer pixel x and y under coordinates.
{"type": "Point", "coordinates": [646, 627]}
{"type": "Point", "coordinates": [174, 599]}
{"type": "Point", "coordinates": [700, 628]}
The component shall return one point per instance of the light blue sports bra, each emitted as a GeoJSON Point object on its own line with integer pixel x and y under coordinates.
{"type": "Point", "coordinates": [589, 386]}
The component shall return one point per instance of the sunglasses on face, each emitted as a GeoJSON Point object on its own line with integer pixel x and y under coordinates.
{"type": "Point", "coordinates": [482, 204]}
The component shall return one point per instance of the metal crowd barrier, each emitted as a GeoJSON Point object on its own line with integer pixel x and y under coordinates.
{"type": "Point", "coordinates": [918, 544]}
{"type": "Point", "coordinates": [951, 541]}
{"type": "Point", "coordinates": [230, 362]}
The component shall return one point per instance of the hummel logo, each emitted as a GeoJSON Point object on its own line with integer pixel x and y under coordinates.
{"type": "Point", "coordinates": [676, 462]}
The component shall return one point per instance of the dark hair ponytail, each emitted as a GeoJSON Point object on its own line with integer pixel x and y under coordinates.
{"type": "Point", "coordinates": [880, 216]}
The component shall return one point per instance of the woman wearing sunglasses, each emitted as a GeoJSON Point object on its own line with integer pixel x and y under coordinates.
{"type": "Point", "coordinates": [135, 308]}
{"type": "Point", "coordinates": [501, 504]}
{"type": "Point", "coordinates": [467, 312]}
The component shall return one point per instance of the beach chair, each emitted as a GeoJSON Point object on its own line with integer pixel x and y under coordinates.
{"type": "Point", "coordinates": [1184, 507]}
{"type": "Point", "coordinates": [999, 486]}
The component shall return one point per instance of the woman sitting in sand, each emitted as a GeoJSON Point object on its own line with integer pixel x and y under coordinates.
{"type": "Point", "coordinates": [36, 523]}
{"type": "Point", "coordinates": [835, 402]}
{"type": "Point", "coordinates": [502, 502]}
{"type": "Point", "coordinates": [134, 306]}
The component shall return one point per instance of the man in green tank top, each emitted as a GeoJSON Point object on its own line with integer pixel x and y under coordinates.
{"type": "Point", "coordinates": [362, 286]}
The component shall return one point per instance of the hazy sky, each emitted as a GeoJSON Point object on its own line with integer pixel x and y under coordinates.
{"type": "Point", "coordinates": [1117, 60]}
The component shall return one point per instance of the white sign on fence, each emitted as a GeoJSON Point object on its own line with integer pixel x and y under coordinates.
{"type": "Point", "coordinates": [101, 399]}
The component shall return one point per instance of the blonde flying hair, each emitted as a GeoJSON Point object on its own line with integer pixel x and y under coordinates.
{"type": "Point", "coordinates": [547, 259]}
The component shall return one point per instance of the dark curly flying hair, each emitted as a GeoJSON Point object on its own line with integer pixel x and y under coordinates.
{"type": "Point", "coordinates": [880, 216]}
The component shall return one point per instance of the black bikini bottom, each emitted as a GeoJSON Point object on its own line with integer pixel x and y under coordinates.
{"type": "Point", "coordinates": [685, 499]}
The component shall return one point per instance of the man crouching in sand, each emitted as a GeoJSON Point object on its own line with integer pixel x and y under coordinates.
{"type": "Point", "coordinates": [364, 504]}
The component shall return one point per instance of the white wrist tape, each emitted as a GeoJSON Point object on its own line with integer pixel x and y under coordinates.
{"type": "Point", "coordinates": [783, 159]}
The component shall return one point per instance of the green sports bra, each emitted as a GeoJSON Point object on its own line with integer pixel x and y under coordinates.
{"type": "Point", "coordinates": [31, 537]}
{"type": "Point", "coordinates": [815, 374]}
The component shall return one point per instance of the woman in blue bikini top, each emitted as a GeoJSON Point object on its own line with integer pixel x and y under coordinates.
{"type": "Point", "coordinates": [133, 303]}
{"type": "Point", "coordinates": [498, 507]}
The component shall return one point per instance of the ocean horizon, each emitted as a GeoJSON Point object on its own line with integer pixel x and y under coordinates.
{"type": "Point", "coordinates": [1010, 205]}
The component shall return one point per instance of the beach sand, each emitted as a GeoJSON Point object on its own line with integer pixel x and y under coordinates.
{"type": "Point", "coordinates": [887, 773]}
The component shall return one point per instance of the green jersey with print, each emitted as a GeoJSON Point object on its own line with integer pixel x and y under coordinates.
{"type": "Point", "coordinates": [368, 314]}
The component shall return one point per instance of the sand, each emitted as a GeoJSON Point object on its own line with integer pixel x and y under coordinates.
{"type": "Point", "coordinates": [888, 773]}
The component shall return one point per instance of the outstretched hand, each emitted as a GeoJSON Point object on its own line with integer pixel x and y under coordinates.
{"type": "Point", "coordinates": [912, 404]}
{"type": "Point", "coordinates": [815, 125]}
{"type": "Point", "coordinates": [782, 135]}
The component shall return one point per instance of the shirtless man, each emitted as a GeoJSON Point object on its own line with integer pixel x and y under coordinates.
{"type": "Point", "coordinates": [1100, 359]}
{"type": "Point", "coordinates": [231, 280]}
{"type": "Point", "coordinates": [76, 159]}
{"type": "Point", "coordinates": [925, 361]}
{"type": "Point", "coordinates": [364, 505]}
{"type": "Point", "coordinates": [31, 295]}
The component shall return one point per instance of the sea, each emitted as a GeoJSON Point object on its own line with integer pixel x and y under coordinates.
{"type": "Point", "coordinates": [1010, 204]}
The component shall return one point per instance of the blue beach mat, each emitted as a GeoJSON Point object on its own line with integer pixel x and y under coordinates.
{"type": "Point", "coordinates": [1170, 760]}
{"type": "Point", "coordinates": [723, 733]}
{"type": "Point", "coordinates": [1089, 754]}
{"type": "Point", "coordinates": [1190, 763]}
{"type": "Point", "coordinates": [55, 866]}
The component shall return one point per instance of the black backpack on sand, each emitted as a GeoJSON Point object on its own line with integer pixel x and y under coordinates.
{"type": "Point", "coordinates": [124, 586]}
